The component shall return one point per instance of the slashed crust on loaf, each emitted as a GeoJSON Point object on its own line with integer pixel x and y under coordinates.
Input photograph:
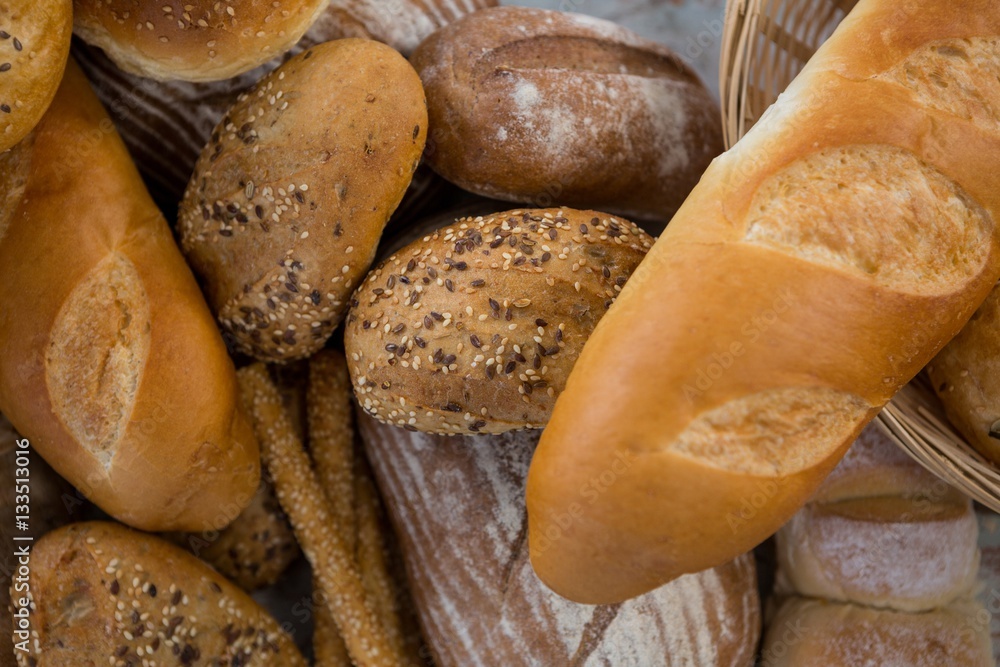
{"type": "Point", "coordinates": [475, 327]}
{"type": "Point", "coordinates": [97, 354]}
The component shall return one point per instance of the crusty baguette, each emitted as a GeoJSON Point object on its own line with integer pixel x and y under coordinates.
{"type": "Point", "coordinates": [102, 594]}
{"type": "Point", "coordinates": [112, 365]}
{"type": "Point", "coordinates": [457, 505]}
{"type": "Point", "coordinates": [34, 45]}
{"type": "Point", "coordinates": [815, 269]}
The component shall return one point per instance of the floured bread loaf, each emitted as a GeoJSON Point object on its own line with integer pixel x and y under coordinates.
{"type": "Point", "coordinates": [457, 505]}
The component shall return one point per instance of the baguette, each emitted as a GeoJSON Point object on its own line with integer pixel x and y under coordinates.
{"type": "Point", "coordinates": [815, 269]}
{"type": "Point", "coordinates": [111, 363]}
{"type": "Point", "coordinates": [34, 46]}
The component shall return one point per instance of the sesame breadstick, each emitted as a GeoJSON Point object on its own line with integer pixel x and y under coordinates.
{"type": "Point", "coordinates": [302, 497]}
{"type": "Point", "coordinates": [371, 555]}
{"type": "Point", "coordinates": [331, 443]}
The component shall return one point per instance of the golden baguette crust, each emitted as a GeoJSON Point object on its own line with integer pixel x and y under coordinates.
{"type": "Point", "coordinates": [102, 591]}
{"type": "Point", "coordinates": [193, 40]}
{"type": "Point", "coordinates": [815, 269]}
{"type": "Point", "coordinates": [112, 365]}
{"type": "Point", "coordinates": [34, 46]}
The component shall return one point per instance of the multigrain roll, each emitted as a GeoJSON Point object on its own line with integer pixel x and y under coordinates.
{"type": "Point", "coordinates": [816, 633]}
{"type": "Point", "coordinates": [193, 40]}
{"type": "Point", "coordinates": [112, 365]}
{"type": "Point", "coordinates": [285, 209]}
{"type": "Point", "coordinates": [966, 377]}
{"type": "Point", "coordinates": [102, 594]}
{"type": "Point", "coordinates": [34, 45]}
{"type": "Point", "coordinates": [475, 327]}
{"type": "Point", "coordinates": [543, 107]}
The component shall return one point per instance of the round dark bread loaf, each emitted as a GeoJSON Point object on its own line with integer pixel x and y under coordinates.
{"type": "Point", "coordinates": [34, 45]}
{"type": "Point", "coordinates": [475, 327]}
{"type": "Point", "coordinates": [537, 107]}
{"type": "Point", "coordinates": [102, 594]}
{"type": "Point", "coordinates": [285, 209]}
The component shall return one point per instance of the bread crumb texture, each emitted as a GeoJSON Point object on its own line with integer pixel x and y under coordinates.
{"type": "Point", "coordinates": [774, 433]}
{"type": "Point", "coordinates": [475, 328]}
{"type": "Point", "coordinates": [97, 352]}
{"type": "Point", "coordinates": [107, 595]}
{"type": "Point", "coordinates": [958, 76]}
{"type": "Point", "coordinates": [875, 211]}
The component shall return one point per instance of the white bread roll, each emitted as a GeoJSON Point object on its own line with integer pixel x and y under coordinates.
{"type": "Point", "coordinates": [882, 532]}
{"type": "Point", "coordinates": [111, 363]}
{"type": "Point", "coordinates": [814, 270]}
{"type": "Point", "coordinates": [815, 633]}
{"type": "Point", "coordinates": [457, 505]}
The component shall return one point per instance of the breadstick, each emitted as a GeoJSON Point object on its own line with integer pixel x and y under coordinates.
{"type": "Point", "coordinates": [331, 443]}
{"type": "Point", "coordinates": [371, 555]}
{"type": "Point", "coordinates": [301, 495]}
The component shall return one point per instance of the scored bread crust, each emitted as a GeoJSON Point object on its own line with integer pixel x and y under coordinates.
{"type": "Point", "coordinates": [103, 594]}
{"type": "Point", "coordinates": [193, 40]}
{"type": "Point", "coordinates": [34, 46]}
{"type": "Point", "coordinates": [816, 268]}
{"type": "Point", "coordinates": [543, 107]}
{"type": "Point", "coordinates": [112, 365]}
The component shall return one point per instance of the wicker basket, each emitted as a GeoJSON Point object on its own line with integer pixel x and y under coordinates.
{"type": "Point", "coordinates": [766, 43]}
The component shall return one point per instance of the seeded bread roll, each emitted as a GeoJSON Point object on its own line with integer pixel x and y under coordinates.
{"type": "Point", "coordinates": [193, 40]}
{"type": "Point", "coordinates": [816, 633]}
{"type": "Point", "coordinates": [817, 267]}
{"type": "Point", "coordinates": [538, 107]}
{"type": "Point", "coordinates": [475, 327]}
{"type": "Point", "coordinates": [966, 377]}
{"type": "Point", "coordinates": [34, 45]}
{"type": "Point", "coordinates": [105, 595]}
{"type": "Point", "coordinates": [112, 365]}
{"type": "Point", "coordinates": [289, 199]}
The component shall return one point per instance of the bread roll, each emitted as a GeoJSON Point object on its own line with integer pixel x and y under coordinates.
{"type": "Point", "coordinates": [966, 377]}
{"type": "Point", "coordinates": [457, 506]}
{"type": "Point", "coordinates": [546, 107]}
{"type": "Point", "coordinates": [288, 201]}
{"type": "Point", "coordinates": [112, 366]}
{"type": "Point", "coordinates": [816, 268]}
{"type": "Point", "coordinates": [193, 40]}
{"type": "Point", "coordinates": [102, 594]}
{"type": "Point", "coordinates": [34, 45]}
{"type": "Point", "coordinates": [814, 633]}
{"type": "Point", "coordinates": [166, 123]}
{"type": "Point", "coordinates": [475, 327]}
